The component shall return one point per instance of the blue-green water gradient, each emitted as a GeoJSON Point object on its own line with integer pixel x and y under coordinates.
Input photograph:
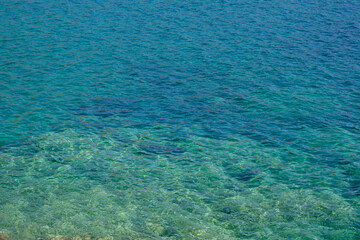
{"type": "Point", "coordinates": [221, 119]}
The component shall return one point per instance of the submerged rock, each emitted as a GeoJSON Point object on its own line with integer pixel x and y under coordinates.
{"type": "Point", "coordinates": [158, 149]}
{"type": "Point", "coordinates": [241, 174]}
{"type": "Point", "coordinates": [169, 232]}
{"type": "Point", "coordinates": [106, 107]}
{"type": "Point", "coordinates": [244, 176]}
{"type": "Point", "coordinates": [227, 210]}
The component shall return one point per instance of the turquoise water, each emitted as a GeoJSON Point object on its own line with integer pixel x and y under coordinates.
{"type": "Point", "coordinates": [180, 119]}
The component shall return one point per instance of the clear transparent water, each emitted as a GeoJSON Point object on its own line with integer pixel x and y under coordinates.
{"type": "Point", "coordinates": [180, 119]}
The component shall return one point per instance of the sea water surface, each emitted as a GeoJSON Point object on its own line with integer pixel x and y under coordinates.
{"type": "Point", "coordinates": [154, 119]}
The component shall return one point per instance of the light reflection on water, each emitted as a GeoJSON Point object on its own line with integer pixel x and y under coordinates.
{"type": "Point", "coordinates": [179, 120]}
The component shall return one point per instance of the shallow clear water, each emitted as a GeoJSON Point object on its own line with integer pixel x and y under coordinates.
{"type": "Point", "coordinates": [180, 119]}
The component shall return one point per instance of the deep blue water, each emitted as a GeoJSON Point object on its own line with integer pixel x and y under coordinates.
{"type": "Point", "coordinates": [180, 119]}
